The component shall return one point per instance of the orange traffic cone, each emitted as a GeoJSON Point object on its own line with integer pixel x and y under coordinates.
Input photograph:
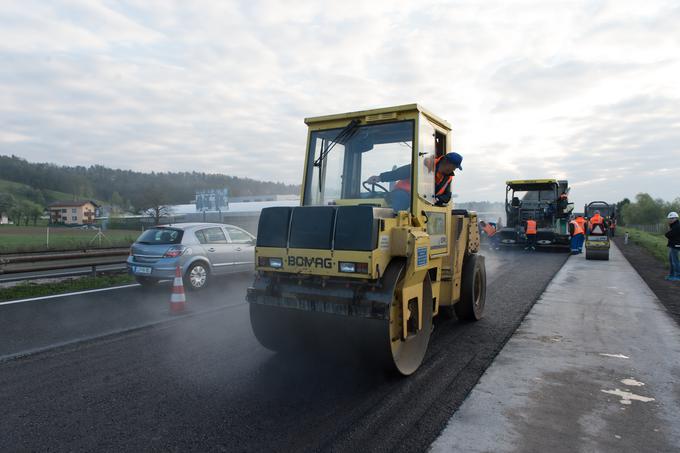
{"type": "Point", "coordinates": [178, 299]}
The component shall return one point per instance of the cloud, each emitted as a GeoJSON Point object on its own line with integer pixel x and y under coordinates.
{"type": "Point", "coordinates": [581, 90]}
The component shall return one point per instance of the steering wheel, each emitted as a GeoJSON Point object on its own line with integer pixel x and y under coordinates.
{"type": "Point", "coordinates": [372, 186]}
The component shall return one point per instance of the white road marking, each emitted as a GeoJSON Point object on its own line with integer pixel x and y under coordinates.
{"type": "Point", "coordinates": [616, 356]}
{"type": "Point", "coordinates": [627, 397]}
{"type": "Point", "coordinates": [630, 382]}
{"type": "Point", "coordinates": [54, 296]}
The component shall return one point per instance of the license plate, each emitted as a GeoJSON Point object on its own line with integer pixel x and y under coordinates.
{"type": "Point", "coordinates": [141, 270]}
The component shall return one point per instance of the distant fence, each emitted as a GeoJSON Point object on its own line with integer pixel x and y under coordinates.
{"type": "Point", "coordinates": [656, 228]}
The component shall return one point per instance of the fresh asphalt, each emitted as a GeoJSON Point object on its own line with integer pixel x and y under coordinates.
{"type": "Point", "coordinates": [128, 376]}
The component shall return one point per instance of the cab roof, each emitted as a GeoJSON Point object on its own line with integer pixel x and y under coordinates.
{"type": "Point", "coordinates": [379, 114]}
{"type": "Point", "coordinates": [523, 185]}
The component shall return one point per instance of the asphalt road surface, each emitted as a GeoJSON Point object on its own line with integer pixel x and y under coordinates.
{"type": "Point", "coordinates": [203, 383]}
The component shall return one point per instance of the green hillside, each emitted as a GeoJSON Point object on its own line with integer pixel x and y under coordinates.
{"type": "Point", "coordinates": [23, 192]}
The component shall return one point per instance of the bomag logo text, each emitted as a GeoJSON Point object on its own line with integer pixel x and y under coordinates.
{"type": "Point", "coordinates": [310, 261]}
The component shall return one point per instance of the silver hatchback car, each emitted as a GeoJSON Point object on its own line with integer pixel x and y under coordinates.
{"type": "Point", "coordinates": [202, 250]}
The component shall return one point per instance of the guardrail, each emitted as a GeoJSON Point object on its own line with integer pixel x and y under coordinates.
{"type": "Point", "coordinates": [16, 265]}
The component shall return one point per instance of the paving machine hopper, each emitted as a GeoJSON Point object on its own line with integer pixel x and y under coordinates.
{"type": "Point", "coordinates": [543, 200]}
{"type": "Point", "coordinates": [597, 237]}
{"type": "Point", "coordinates": [365, 264]}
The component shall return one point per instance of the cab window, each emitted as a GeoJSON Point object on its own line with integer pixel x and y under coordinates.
{"type": "Point", "coordinates": [426, 160]}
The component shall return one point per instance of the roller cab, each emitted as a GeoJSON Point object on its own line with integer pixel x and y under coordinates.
{"type": "Point", "coordinates": [372, 254]}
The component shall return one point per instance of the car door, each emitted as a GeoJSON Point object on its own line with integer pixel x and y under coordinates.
{"type": "Point", "coordinates": [244, 247]}
{"type": "Point", "coordinates": [217, 248]}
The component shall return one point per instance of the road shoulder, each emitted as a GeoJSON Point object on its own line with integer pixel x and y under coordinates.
{"type": "Point", "coordinates": [653, 272]}
{"type": "Point", "coordinates": [593, 367]}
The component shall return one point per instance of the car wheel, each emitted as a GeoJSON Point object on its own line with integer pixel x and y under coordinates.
{"type": "Point", "coordinates": [197, 276]}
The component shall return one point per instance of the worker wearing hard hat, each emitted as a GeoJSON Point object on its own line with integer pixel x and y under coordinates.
{"type": "Point", "coordinates": [577, 234]}
{"type": "Point", "coordinates": [444, 166]}
{"type": "Point", "coordinates": [673, 236]}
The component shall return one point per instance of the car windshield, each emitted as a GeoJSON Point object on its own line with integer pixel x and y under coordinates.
{"type": "Point", "coordinates": [338, 170]}
{"type": "Point", "coordinates": [161, 236]}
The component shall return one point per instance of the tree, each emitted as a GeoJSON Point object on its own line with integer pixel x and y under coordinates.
{"type": "Point", "coordinates": [154, 203]}
{"type": "Point", "coordinates": [644, 211]}
{"type": "Point", "coordinates": [34, 211]}
{"type": "Point", "coordinates": [117, 200]}
{"type": "Point", "coordinates": [672, 206]}
{"type": "Point", "coordinates": [619, 210]}
{"type": "Point", "coordinates": [7, 202]}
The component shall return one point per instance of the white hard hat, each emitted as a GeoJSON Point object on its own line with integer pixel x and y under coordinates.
{"type": "Point", "coordinates": [672, 215]}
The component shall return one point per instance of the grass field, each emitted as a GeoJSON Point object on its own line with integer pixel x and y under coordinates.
{"type": "Point", "coordinates": [30, 289]}
{"type": "Point", "coordinates": [654, 243]}
{"type": "Point", "coordinates": [29, 239]}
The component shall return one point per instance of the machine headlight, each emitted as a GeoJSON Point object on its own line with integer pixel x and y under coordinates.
{"type": "Point", "coordinates": [275, 263]}
{"type": "Point", "coordinates": [347, 267]}
{"type": "Point", "coordinates": [353, 268]}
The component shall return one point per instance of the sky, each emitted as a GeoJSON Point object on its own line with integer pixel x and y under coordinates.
{"type": "Point", "coordinates": [583, 90]}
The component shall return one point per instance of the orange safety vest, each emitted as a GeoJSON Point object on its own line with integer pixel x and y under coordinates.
{"type": "Point", "coordinates": [596, 220]}
{"type": "Point", "coordinates": [405, 184]}
{"type": "Point", "coordinates": [490, 231]}
{"type": "Point", "coordinates": [531, 227]}
{"type": "Point", "coordinates": [581, 222]}
{"type": "Point", "coordinates": [578, 229]}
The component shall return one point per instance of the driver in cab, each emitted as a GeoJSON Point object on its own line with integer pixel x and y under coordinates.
{"type": "Point", "coordinates": [401, 194]}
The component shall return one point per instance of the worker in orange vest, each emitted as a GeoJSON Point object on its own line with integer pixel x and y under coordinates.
{"type": "Point", "coordinates": [577, 234]}
{"type": "Point", "coordinates": [596, 219]}
{"type": "Point", "coordinates": [490, 231]}
{"type": "Point", "coordinates": [444, 167]}
{"type": "Point", "coordinates": [581, 222]}
{"type": "Point", "coordinates": [530, 232]}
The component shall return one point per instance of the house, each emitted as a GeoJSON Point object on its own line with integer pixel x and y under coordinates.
{"type": "Point", "coordinates": [3, 219]}
{"type": "Point", "coordinates": [73, 212]}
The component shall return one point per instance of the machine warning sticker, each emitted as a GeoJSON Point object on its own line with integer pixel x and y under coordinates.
{"type": "Point", "coordinates": [422, 256]}
{"type": "Point", "coordinates": [384, 242]}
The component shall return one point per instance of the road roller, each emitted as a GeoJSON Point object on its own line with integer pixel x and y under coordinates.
{"type": "Point", "coordinates": [372, 254]}
{"type": "Point", "coordinates": [597, 237]}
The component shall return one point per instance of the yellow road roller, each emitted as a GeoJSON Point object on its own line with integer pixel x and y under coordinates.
{"type": "Point", "coordinates": [597, 237]}
{"type": "Point", "coordinates": [372, 254]}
